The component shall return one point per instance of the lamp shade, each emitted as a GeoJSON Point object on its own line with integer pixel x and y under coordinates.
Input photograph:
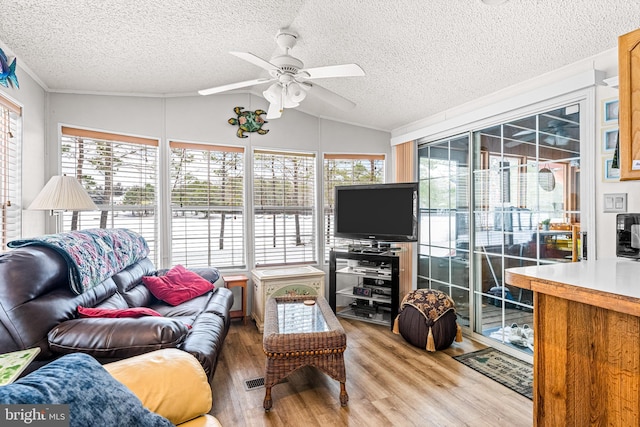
{"type": "Point", "coordinates": [295, 92]}
{"type": "Point", "coordinates": [63, 193]}
{"type": "Point", "coordinates": [273, 93]}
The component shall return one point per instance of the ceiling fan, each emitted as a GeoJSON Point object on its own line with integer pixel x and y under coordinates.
{"type": "Point", "coordinates": [292, 80]}
{"type": "Point", "coordinates": [556, 134]}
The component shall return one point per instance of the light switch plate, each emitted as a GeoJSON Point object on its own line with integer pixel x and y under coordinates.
{"type": "Point", "coordinates": [615, 202]}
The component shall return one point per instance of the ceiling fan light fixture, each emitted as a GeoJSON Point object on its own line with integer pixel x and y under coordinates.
{"type": "Point", "coordinates": [287, 102]}
{"type": "Point", "coordinates": [295, 92]}
{"type": "Point", "coordinates": [273, 93]}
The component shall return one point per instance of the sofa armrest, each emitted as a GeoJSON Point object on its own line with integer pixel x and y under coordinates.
{"type": "Point", "coordinates": [116, 338]}
{"type": "Point", "coordinates": [169, 382]}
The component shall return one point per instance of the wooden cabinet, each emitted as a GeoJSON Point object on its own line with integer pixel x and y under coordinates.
{"type": "Point", "coordinates": [587, 341]}
{"type": "Point", "coordinates": [273, 282]}
{"type": "Point", "coordinates": [629, 116]}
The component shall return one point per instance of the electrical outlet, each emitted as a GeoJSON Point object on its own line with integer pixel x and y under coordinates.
{"type": "Point", "coordinates": [615, 202]}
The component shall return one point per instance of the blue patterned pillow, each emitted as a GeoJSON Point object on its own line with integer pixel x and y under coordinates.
{"type": "Point", "coordinates": [93, 395]}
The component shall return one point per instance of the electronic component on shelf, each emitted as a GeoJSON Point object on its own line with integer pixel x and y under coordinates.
{"type": "Point", "coordinates": [381, 291]}
{"type": "Point", "coordinates": [362, 308]}
{"type": "Point", "coordinates": [362, 291]}
{"type": "Point", "coordinates": [379, 271]}
{"type": "Point", "coordinates": [382, 306]}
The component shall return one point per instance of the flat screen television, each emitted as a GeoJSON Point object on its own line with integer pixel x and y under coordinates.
{"type": "Point", "coordinates": [378, 212]}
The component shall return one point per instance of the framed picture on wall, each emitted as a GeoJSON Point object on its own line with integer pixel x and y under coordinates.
{"type": "Point", "coordinates": [609, 174]}
{"type": "Point", "coordinates": [609, 139]}
{"type": "Point", "coordinates": [610, 111]}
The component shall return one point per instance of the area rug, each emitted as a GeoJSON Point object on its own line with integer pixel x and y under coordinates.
{"type": "Point", "coordinates": [503, 368]}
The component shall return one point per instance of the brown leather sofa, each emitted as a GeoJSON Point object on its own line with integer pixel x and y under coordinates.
{"type": "Point", "coordinates": [38, 308]}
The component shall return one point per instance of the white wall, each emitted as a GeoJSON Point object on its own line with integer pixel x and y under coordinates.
{"type": "Point", "coordinates": [606, 222]}
{"type": "Point", "coordinates": [204, 119]}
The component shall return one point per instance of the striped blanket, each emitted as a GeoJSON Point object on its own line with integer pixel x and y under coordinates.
{"type": "Point", "coordinates": [92, 255]}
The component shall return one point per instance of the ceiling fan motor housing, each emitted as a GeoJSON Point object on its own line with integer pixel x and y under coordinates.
{"type": "Point", "coordinates": [286, 64]}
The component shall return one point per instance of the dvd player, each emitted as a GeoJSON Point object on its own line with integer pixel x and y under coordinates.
{"type": "Point", "coordinates": [372, 270]}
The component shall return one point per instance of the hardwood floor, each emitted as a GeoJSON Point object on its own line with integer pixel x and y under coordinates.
{"type": "Point", "coordinates": [390, 383]}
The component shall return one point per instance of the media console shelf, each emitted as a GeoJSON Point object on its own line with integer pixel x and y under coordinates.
{"type": "Point", "coordinates": [376, 279]}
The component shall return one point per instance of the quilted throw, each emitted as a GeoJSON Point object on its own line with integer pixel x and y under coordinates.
{"type": "Point", "coordinates": [92, 255]}
{"type": "Point", "coordinates": [431, 303]}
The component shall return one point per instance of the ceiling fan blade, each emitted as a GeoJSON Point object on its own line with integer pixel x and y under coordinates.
{"type": "Point", "coordinates": [331, 97]}
{"type": "Point", "coordinates": [255, 60]}
{"type": "Point", "coordinates": [523, 132]}
{"type": "Point", "coordinates": [232, 86]}
{"type": "Point", "coordinates": [344, 70]}
{"type": "Point", "coordinates": [274, 112]}
{"type": "Point", "coordinates": [512, 143]}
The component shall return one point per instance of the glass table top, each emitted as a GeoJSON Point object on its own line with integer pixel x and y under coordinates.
{"type": "Point", "coordinates": [295, 317]}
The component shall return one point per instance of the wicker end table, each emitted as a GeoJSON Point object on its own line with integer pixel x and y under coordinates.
{"type": "Point", "coordinates": [298, 333]}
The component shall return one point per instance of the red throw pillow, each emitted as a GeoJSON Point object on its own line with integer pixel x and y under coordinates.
{"type": "Point", "coordinates": [116, 312]}
{"type": "Point", "coordinates": [177, 286]}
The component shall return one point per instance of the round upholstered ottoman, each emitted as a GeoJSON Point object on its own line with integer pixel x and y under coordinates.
{"type": "Point", "coordinates": [428, 320]}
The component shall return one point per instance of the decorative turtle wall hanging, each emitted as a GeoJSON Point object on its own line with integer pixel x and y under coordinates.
{"type": "Point", "coordinates": [248, 121]}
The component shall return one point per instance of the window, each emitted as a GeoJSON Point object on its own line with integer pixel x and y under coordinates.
{"type": "Point", "coordinates": [10, 171]}
{"type": "Point", "coordinates": [284, 213]}
{"type": "Point", "coordinates": [346, 169]}
{"type": "Point", "coordinates": [478, 219]}
{"type": "Point", "coordinates": [207, 205]}
{"type": "Point", "coordinates": [443, 258]}
{"type": "Point", "coordinates": [119, 172]}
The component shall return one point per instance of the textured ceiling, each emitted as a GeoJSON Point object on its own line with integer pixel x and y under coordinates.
{"type": "Point", "coordinates": [420, 57]}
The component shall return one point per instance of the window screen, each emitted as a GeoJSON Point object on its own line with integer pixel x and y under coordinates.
{"type": "Point", "coordinates": [120, 174]}
{"type": "Point", "coordinates": [284, 208]}
{"type": "Point", "coordinates": [207, 205]}
{"type": "Point", "coordinates": [10, 171]}
{"type": "Point", "coordinates": [346, 169]}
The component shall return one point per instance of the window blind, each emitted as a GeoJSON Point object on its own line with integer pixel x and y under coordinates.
{"type": "Point", "coordinates": [284, 208]}
{"type": "Point", "coordinates": [346, 169]}
{"type": "Point", "coordinates": [207, 205]}
{"type": "Point", "coordinates": [120, 174]}
{"type": "Point", "coordinates": [10, 172]}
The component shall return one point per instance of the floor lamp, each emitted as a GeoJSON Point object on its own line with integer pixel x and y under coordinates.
{"type": "Point", "coordinates": [63, 193]}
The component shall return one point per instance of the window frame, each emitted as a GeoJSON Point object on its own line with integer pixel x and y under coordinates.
{"type": "Point", "coordinates": [211, 148]}
{"type": "Point", "coordinates": [309, 252]}
{"type": "Point", "coordinates": [147, 225]}
{"type": "Point", "coordinates": [10, 171]}
{"type": "Point", "coordinates": [328, 185]}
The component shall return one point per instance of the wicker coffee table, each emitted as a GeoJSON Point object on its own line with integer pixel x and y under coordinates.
{"type": "Point", "coordinates": [297, 334]}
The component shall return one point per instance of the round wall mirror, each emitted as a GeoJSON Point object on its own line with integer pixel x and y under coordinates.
{"type": "Point", "coordinates": [546, 180]}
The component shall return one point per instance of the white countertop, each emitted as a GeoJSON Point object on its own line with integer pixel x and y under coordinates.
{"type": "Point", "coordinates": [613, 283]}
{"type": "Point", "coordinates": [614, 275]}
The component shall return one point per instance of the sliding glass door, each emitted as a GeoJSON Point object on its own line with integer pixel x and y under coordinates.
{"type": "Point", "coordinates": [518, 205]}
{"type": "Point", "coordinates": [443, 255]}
{"type": "Point", "coordinates": [526, 211]}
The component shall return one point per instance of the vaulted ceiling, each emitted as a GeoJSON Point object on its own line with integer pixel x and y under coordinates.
{"type": "Point", "coordinates": [420, 57]}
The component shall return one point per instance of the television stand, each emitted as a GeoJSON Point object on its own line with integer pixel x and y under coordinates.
{"type": "Point", "coordinates": [365, 286]}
